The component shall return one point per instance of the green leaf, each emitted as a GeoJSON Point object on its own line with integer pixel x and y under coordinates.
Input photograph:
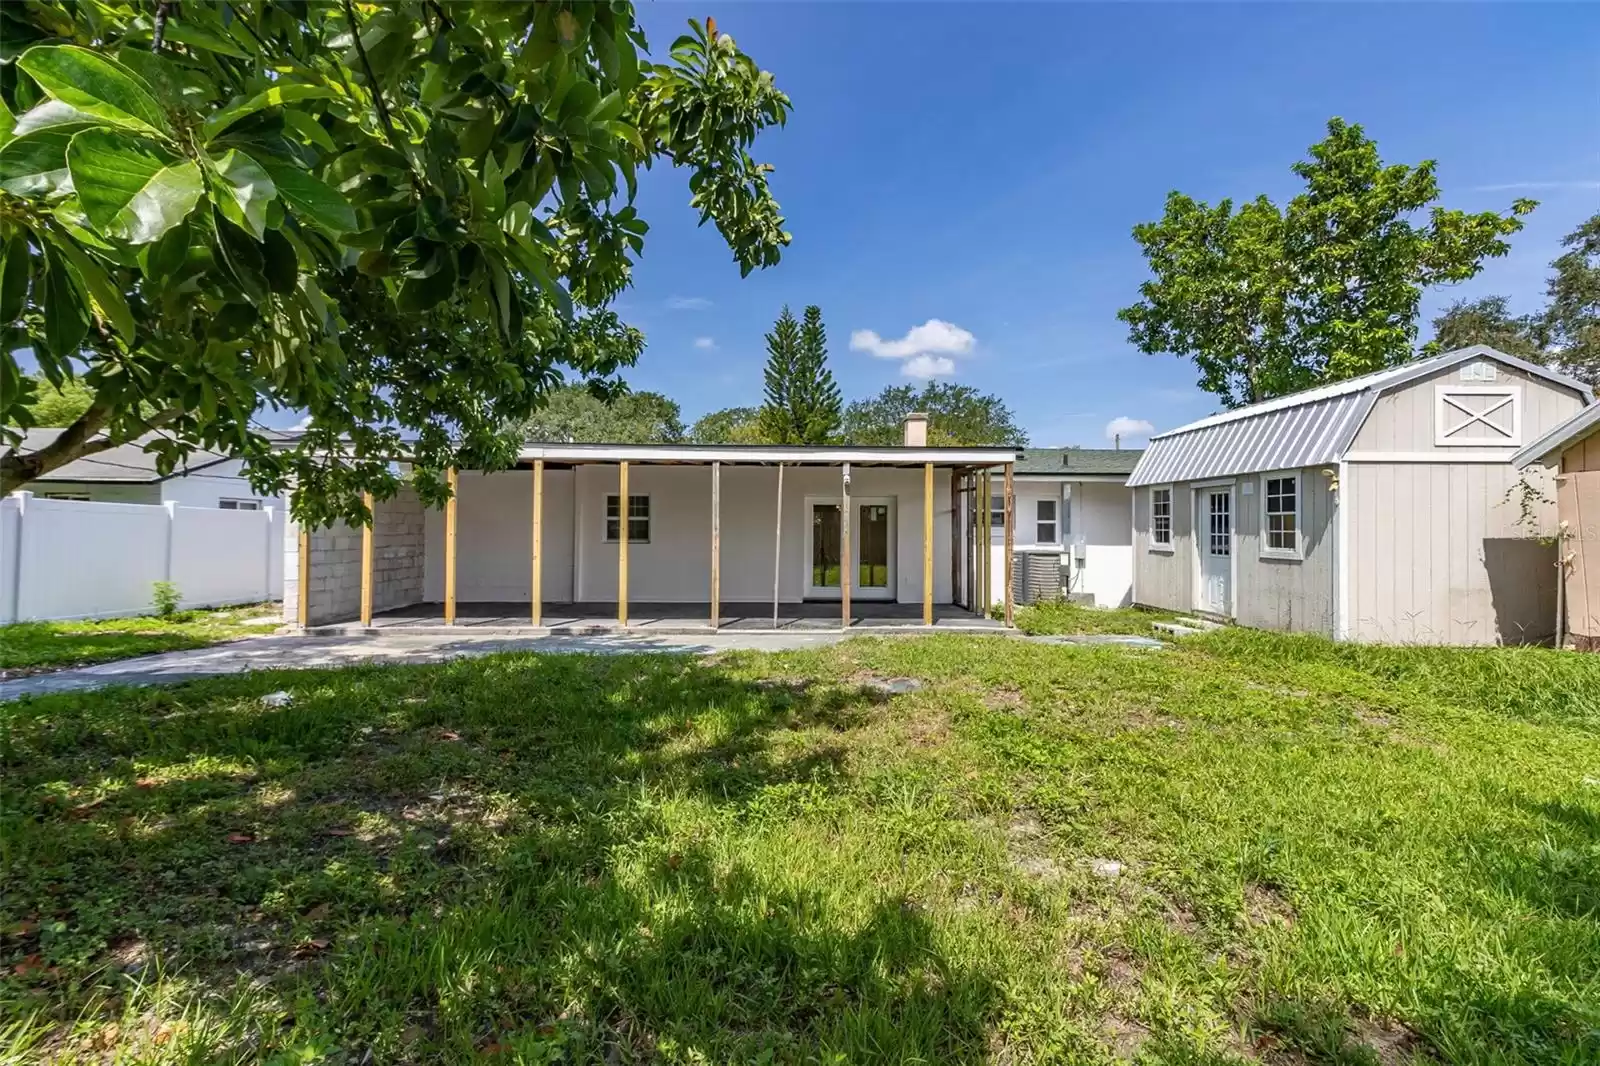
{"type": "Point", "coordinates": [14, 272]}
{"type": "Point", "coordinates": [185, 31]}
{"type": "Point", "coordinates": [309, 128]}
{"type": "Point", "coordinates": [52, 113]}
{"type": "Point", "coordinates": [421, 293]}
{"type": "Point", "coordinates": [66, 320]}
{"type": "Point", "coordinates": [280, 265]}
{"type": "Point", "coordinates": [95, 84]}
{"type": "Point", "coordinates": [312, 200]}
{"type": "Point", "coordinates": [249, 189]}
{"type": "Point", "coordinates": [242, 256]}
{"type": "Point", "coordinates": [163, 260]}
{"type": "Point", "coordinates": [276, 96]}
{"type": "Point", "coordinates": [609, 107]}
{"type": "Point", "coordinates": [35, 166]}
{"type": "Point", "coordinates": [8, 122]}
{"type": "Point", "coordinates": [132, 188]}
{"type": "Point", "coordinates": [106, 297]}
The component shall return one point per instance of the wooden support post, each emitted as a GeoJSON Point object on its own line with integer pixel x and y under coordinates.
{"type": "Point", "coordinates": [452, 480]}
{"type": "Point", "coordinates": [366, 561]}
{"type": "Point", "coordinates": [927, 544]}
{"type": "Point", "coordinates": [622, 543]}
{"type": "Point", "coordinates": [986, 543]}
{"type": "Point", "coordinates": [716, 545]}
{"type": "Point", "coordinates": [777, 549]}
{"type": "Point", "coordinates": [845, 562]}
{"type": "Point", "coordinates": [303, 599]}
{"type": "Point", "coordinates": [536, 585]}
{"type": "Point", "coordinates": [955, 535]}
{"type": "Point", "coordinates": [1011, 539]}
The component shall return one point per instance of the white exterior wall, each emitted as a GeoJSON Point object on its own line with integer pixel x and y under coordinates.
{"type": "Point", "coordinates": [64, 559]}
{"type": "Point", "coordinates": [1096, 516]}
{"type": "Point", "coordinates": [494, 533]}
{"type": "Point", "coordinates": [99, 491]}
{"type": "Point", "coordinates": [209, 485]}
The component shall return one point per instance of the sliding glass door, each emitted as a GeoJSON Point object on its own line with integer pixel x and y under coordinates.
{"type": "Point", "coordinates": [871, 549]}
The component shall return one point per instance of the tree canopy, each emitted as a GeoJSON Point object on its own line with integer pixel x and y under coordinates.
{"type": "Point", "coordinates": [574, 414]}
{"type": "Point", "coordinates": [55, 407]}
{"type": "Point", "coordinates": [957, 414]}
{"type": "Point", "coordinates": [1269, 300]}
{"type": "Point", "coordinates": [801, 400]}
{"type": "Point", "coordinates": [401, 219]}
{"type": "Point", "coordinates": [1488, 321]}
{"type": "Point", "coordinates": [731, 425]}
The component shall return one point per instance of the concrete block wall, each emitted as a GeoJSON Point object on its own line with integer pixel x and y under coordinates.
{"type": "Point", "coordinates": [397, 564]}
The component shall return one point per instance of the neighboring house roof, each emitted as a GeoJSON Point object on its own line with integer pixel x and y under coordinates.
{"type": "Point", "coordinates": [1069, 463]}
{"type": "Point", "coordinates": [126, 463]}
{"type": "Point", "coordinates": [1564, 436]}
{"type": "Point", "coordinates": [1302, 429]}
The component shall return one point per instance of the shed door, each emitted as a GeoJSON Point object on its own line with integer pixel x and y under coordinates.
{"type": "Point", "coordinates": [1215, 545]}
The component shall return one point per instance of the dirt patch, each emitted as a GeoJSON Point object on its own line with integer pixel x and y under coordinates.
{"type": "Point", "coordinates": [1264, 905]}
{"type": "Point", "coordinates": [1122, 1036]}
{"type": "Point", "coordinates": [928, 730]}
{"type": "Point", "coordinates": [1394, 1043]}
{"type": "Point", "coordinates": [1368, 717]}
{"type": "Point", "coordinates": [1007, 699]}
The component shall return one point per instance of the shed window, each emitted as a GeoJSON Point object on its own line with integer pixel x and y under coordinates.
{"type": "Point", "coordinates": [239, 505]}
{"type": "Point", "coordinates": [71, 497]}
{"type": "Point", "coordinates": [638, 519]}
{"type": "Point", "coordinates": [1045, 524]}
{"type": "Point", "coordinates": [1280, 501]}
{"type": "Point", "coordinates": [1161, 517]}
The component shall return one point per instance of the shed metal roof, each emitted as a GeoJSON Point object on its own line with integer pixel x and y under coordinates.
{"type": "Point", "coordinates": [1568, 433]}
{"type": "Point", "coordinates": [1303, 429]}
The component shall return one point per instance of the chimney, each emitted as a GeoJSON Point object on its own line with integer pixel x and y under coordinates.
{"type": "Point", "coordinates": [916, 426]}
{"type": "Point", "coordinates": [1116, 442]}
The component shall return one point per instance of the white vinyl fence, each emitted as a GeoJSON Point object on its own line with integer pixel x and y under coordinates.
{"type": "Point", "coordinates": [62, 559]}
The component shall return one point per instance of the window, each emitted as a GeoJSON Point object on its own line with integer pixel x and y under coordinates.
{"type": "Point", "coordinates": [1045, 524]}
{"type": "Point", "coordinates": [239, 505]}
{"type": "Point", "coordinates": [638, 519]}
{"type": "Point", "coordinates": [1161, 519]}
{"type": "Point", "coordinates": [997, 512]}
{"type": "Point", "coordinates": [74, 497]}
{"type": "Point", "coordinates": [1280, 509]}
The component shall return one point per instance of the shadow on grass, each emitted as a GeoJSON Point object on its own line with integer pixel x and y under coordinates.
{"type": "Point", "coordinates": [523, 853]}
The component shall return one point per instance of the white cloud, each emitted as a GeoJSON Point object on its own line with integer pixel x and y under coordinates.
{"type": "Point", "coordinates": [304, 423]}
{"type": "Point", "coordinates": [934, 336]}
{"type": "Point", "coordinates": [1128, 428]}
{"type": "Point", "coordinates": [688, 303]}
{"type": "Point", "coordinates": [705, 343]}
{"type": "Point", "coordinates": [1536, 186]}
{"type": "Point", "coordinates": [923, 367]}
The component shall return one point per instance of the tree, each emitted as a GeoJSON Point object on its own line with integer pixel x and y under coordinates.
{"type": "Point", "coordinates": [401, 218]}
{"type": "Point", "coordinates": [1488, 321]}
{"type": "Point", "coordinates": [957, 414]}
{"type": "Point", "coordinates": [802, 403]}
{"type": "Point", "coordinates": [574, 414]}
{"type": "Point", "coordinates": [50, 406]}
{"type": "Point", "coordinates": [1573, 316]}
{"type": "Point", "coordinates": [731, 425]}
{"type": "Point", "coordinates": [1269, 301]}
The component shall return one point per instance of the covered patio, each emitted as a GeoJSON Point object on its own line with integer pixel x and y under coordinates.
{"type": "Point", "coordinates": [750, 538]}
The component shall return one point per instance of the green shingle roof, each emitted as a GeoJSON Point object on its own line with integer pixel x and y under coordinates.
{"type": "Point", "coordinates": [1086, 461]}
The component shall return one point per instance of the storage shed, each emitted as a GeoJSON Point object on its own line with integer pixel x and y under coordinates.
{"type": "Point", "coordinates": [1382, 508]}
{"type": "Point", "coordinates": [1573, 451]}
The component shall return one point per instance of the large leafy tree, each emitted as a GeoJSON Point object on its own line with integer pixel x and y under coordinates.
{"type": "Point", "coordinates": [731, 425]}
{"type": "Point", "coordinates": [576, 414]}
{"type": "Point", "coordinates": [1488, 321]}
{"type": "Point", "coordinates": [801, 402]}
{"type": "Point", "coordinates": [1269, 300]}
{"type": "Point", "coordinates": [401, 219]}
{"type": "Point", "coordinates": [957, 414]}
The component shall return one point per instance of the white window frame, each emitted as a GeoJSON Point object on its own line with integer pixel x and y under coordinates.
{"type": "Point", "coordinates": [1054, 523]}
{"type": "Point", "coordinates": [605, 518]}
{"type": "Point", "coordinates": [1169, 545]}
{"type": "Point", "coordinates": [228, 503]}
{"type": "Point", "coordinates": [1298, 552]}
{"type": "Point", "coordinates": [1444, 412]}
{"type": "Point", "coordinates": [997, 512]}
{"type": "Point", "coordinates": [66, 497]}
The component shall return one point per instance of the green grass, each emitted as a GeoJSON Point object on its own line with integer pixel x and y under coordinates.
{"type": "Point", "coordinates": [33, 647]}
{"type": "Point", "coordinates": [1064, 617]}
{"type": "Point", "coordinates": [1329, 855]}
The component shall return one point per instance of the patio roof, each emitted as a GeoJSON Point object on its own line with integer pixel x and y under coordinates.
{"type": "Point", "coordinates": [766, 453]}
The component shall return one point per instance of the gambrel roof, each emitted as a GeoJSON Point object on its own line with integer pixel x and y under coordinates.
{"type": "Point", "coordinates": [1306, 428]}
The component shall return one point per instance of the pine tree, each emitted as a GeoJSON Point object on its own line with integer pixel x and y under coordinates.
{"type": "Point", "coordinates": [801, 404]}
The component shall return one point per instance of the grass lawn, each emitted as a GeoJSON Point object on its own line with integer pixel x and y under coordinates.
{"type": "Point", "coordinates": [34, 647]}
{"type": "Point", "coordinates": [1064, 617]}
{"type": "Point", "coordinates": [1242, 848]}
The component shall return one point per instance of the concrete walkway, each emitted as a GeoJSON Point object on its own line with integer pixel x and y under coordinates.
{"type": "Point", "coordinates": [312, 653]}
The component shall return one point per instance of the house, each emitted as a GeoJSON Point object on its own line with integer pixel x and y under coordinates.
{"type": "Point", "coordinates": [1574, 449]}
{"type": "Point", "coordinates": [128, 474]}
{"type": "Point", "coordinates": [1383, 508]}
{"type": "Point", "coordinates": [579, 537]}
{"type": "Point", "coordinates": [1073, 535]}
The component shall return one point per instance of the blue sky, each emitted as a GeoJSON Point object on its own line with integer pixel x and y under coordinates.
{"type": "Point", "coordinates": [982, 165]}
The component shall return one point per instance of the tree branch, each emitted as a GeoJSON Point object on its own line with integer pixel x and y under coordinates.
{"type": "Point", "coordinates": [74, 442]}
{"type": "Point", "coordinates": [160, 31]}
{"type": "Point", "coordinates": [377, 92]}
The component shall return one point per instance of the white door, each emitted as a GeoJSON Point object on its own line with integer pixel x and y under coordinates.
{"type": "Point", "coordinates": [1215, 544]}
{"type": "Point", "coordinates": [871, 549]}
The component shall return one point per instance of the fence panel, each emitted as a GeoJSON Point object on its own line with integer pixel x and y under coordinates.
{"type": "Point", "coordinates": [66, 559]}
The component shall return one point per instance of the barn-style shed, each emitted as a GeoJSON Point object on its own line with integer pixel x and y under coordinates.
{"type": "Point", "coordinates": [1383, 508]}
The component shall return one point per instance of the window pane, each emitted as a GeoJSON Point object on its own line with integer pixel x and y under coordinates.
{"type": "Point", "coordinates": [1047, 510]}
{"type": "Point", "coordinates": [638, 529]}
{"type": "Point", "coordinates": [1046, 533]}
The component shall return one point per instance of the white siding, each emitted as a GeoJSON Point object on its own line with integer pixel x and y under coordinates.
{"type": "Point", "coordinates": [209, 485]}
{"type": "Point", "coordinates": [1403, 421]}
{"type": "Point", "coordinates": [1165, 579]}
{"type": "Point", "coordinates": [1292, 595]}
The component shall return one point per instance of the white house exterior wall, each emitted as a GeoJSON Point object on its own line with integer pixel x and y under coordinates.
{"type": "Point", "coordinates": [209, 485]}
{"type": "Point", "coordinates": [1098, 524]}
{"type": "Point", "coordinates": [100, 491]}
{"type": "Point", "coordinates": [494, 533]}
